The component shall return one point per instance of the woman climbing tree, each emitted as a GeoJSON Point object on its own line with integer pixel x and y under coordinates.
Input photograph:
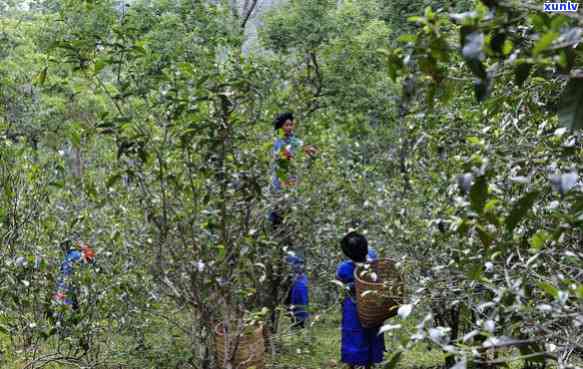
{"type": "Point", "coordinates": [285, 148]}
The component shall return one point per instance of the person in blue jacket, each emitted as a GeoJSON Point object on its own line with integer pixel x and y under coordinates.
{"type": "Point", "coordinates": [286, 148]}
{"type": "Point", "coordinates": [359, 346]}
{"type": "Point", "coordinates": [65, 294]}
{"type": "Point", "coordinates": [298, 298]}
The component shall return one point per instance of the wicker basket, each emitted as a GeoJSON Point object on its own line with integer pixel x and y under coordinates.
{"type": "Point", "coordinates": [249, 348]}
{"type": "Point", "coordinates": [378, 300]}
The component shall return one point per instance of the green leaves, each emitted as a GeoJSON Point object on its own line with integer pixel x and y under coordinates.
{"type": "Point", "coordinates": [549, 289]}
{"type": "Point", "coordinates": [41, 77]}
{"type": "Point", "coordinates": [520, 209]}
{"type": "Point", "coordinates": [484, 236]}
{"type": "Point", "coordinates": [544, 42]}
{"type": "Point", "coordinates": [203, 165]}
{"type": "Point", "coordinates": [474, 271]}
{"type": "Point", "coordinates": [538, 241]}
{"type": "Point", "coordinates": [571, 105]}
{"type": "Point", "coordinates": [99, 65]}
{"type": "Point", "coordinates": [75, 134]}
{"type": "Point", "coordinates": [395, 62]}
{"type": "Point", "coordinates": [393, 361]}
{"type": "Point", "coordinates": [113, 179]}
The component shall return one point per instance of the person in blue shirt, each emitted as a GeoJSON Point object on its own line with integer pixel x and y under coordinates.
{"type": "Point", "coordinates": [65, 294]}
{"type": "Point", "coordinates": [359, 346]}
{"type": "Point", "coordinates": [285, 150]}
{"type": "Point", "coordinates": [298, 298]}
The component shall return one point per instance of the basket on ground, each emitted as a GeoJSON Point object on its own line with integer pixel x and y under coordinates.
{"type": "Point", "coordinates": [380, 290]}
{"type": "Point", "coordinates": [247, 349]}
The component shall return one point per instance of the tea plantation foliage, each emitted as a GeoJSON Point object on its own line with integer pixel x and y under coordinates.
{"type": "Point", "coordinates": [449, 132]}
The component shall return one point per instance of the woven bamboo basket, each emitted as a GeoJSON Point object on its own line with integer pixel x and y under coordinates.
{"type": "Point", "coordinates": [249, 348]}
{"type": "Point", "coordinates": [378, 300]}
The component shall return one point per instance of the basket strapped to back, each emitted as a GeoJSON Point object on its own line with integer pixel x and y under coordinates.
{"type": "Point", "coordinates": [378, 300]}
{"type": "Point", "coordinates": [249, 351]}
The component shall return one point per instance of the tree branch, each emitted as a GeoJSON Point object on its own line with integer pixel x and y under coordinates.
{"type": "Point", "coordinates": [248, 13]}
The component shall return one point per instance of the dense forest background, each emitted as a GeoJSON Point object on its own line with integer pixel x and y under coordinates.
{"type": "Point", "coordinates": [449, 133]}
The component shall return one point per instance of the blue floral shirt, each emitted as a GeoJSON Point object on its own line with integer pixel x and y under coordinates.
{"type": "Point", "coordinates": [285, 149]}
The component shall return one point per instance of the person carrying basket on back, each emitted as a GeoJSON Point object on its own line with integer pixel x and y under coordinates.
{"type": "Point", "coordinates": [360, 347]}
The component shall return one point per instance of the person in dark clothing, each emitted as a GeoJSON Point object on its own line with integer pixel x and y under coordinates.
{"type": "Point", "coordinates": [359, 346]}
{"type": "Point", "coordinates": [298, 298]}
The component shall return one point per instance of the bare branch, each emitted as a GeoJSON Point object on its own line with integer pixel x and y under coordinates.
{"type": "Point", "coordinates": [248, 11]}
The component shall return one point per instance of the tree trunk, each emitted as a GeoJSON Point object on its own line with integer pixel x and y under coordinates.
{"type": "Point", "coordinates": [77, 161]}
